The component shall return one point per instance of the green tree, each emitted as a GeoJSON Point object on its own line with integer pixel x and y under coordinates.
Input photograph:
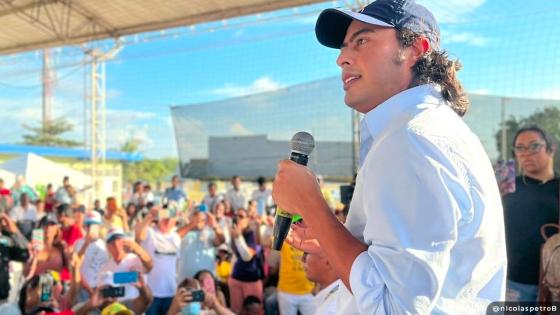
{"type": "Point", "coordinates": [50, 134]}
{"type": "Point", "coordinates": [149, 170]}
{"type": "Point", "coordinates": [548, 119]}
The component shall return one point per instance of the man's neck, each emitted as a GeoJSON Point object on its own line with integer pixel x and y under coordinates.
{"type": "Point", "coordinates": [543, 176]}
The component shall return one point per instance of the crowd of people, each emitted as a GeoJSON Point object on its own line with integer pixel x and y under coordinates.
{"type": "Point", "coordinates": [153, 254]}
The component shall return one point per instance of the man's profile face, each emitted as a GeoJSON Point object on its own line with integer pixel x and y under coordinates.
{"type": "Point", "coordinates": [371, 69]}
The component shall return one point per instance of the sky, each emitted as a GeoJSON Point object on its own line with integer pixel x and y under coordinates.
{"type": "Point", "coordinates": [508, 48]}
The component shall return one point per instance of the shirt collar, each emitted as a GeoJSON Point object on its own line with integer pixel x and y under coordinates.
{"type": "Point", "coordinates": [400, 106]}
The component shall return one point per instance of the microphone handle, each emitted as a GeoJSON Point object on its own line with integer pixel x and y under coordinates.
{"type": "Point", "coordinates": [283, 218]}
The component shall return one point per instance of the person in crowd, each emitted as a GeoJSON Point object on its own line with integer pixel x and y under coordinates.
{"type": "Point", "coordinates": [228, 209]}
{"type": "Point", "coordinates": [40, 206]}
{"type": "Point", "coordinates": [125, 255]}
{"type": "Point", "coordinates": [133, 213]}
{"type": "Point", "coordinates": [252, 305]}
{"type": "Point", "coordinates": [162, 243]}
{"type": "Point", "coordinates": [104, 305]}
{"type": "Point", "coordinates": [177, 194]}
{"type": "Point", "coordinates": [262, 196]}
{"type": "Point", "coordinates": [294, 289]}
{"type": "Point", "coordinates": [64, 193]}
{"type": "Point", "coordinates": [114, 217]}
{"type": "Point", "coordinates": [20, 187]}
{"type": "Point", "coordinates": [71, 230]}
{"type": "Point", "coordinates": [50, 200]}
{"type": "Point", "coordinates": [319, 270]}
{"type": "Point", "coordinates": [213, 197]}
{"type": "Point", "coordinates": [13, 247]}
{"type": "Point", "coordinates": [93, 251]}
{"type": "Point", "coordinates": [138, 197]}
{"type": "Point", "coordinates": [97, 207]}
{"type": "Point", "coordinates": [426, 197]}
{"type": "Point", "coordinates": [183, 301]}
{"type": "Point", "coordinates": [224, 268]}
{"type": "Point", "coordinates": [248, 269]}
{"type": "Point", "coordinates": [199, 239]}
{"type": "Point", "coordinates": [224, 221]}
{"type": "Point", "coordinates": [6, 201]}
{"type": "Point", "coordinates": [25, 215]}
{"type": "Point", "coordinates": [51, 255]}
{"type": "Point", "coordinates": [148, 194]}
{"type": "Point", "coordinates": [210, 284]}
{"type": "Point", "coordinates": [235, 195]}
{"type": "Point", "coordinates": [533, 204]}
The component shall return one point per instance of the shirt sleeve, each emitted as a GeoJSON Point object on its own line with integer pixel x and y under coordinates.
{"type": "Point", "coordinates": [416, 196]}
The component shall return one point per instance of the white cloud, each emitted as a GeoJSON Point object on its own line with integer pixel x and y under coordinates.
{"type": "Point", "coordinates": [465, 38]}
{"type": "Point", "coordinates": [451, 11]}
{"type": "Point", "coordinates": [237, 129]}
{"type": "Point", "coordinates": [262, 84]}
{"type": "Point", "coordinates": [552, 93]}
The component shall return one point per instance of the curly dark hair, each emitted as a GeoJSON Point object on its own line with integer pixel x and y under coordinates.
{"type": "Point", "coordinates": [436, 67]}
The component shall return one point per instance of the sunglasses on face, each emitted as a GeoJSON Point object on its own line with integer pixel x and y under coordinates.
{"type": "Point", "coordinates": [532, 148]}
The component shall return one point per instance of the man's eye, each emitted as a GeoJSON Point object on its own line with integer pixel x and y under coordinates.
{"type": "Point", "coordinates": [360, 42]}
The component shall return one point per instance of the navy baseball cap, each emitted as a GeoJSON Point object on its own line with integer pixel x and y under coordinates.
{"type": "Point", "coordinates": [332, 24]}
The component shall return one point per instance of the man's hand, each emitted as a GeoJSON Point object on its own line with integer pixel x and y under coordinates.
{"type": "Point", "coordinates": [131, 245]}
{"type": "Point", "coordinates": [301, 237]}
{"type": "Point", "coordinates": [295, 186]}
{"type": "Point", "coordinates": [8, 224]}
{"type": "Point", "coordinates": [211, 221]}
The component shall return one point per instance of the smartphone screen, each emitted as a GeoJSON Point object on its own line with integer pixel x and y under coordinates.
{"type": "Point", "coordinates": [113, 292]}
{"type": "Point", "coordinates": [37, 239]}
{"type": "Point", "coordinates": [125, 277]}
{"type": "Point", "coordinates": [46, 282]}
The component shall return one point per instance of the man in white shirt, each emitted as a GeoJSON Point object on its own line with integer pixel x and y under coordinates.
{"type": "Point", "coordinates": [125, 256]}
{"type": "Point", "coordinates": [213, 197]}
{"type": "Point", "coordinates": [319, 270]}
{"type": "Point", "coordinates": [94, 252]}
{"type": "Point", "coordinates": [236, 196]}
{"type": "Point", "coordinates": [162, 244]}
{"type": "Point", "coordinates": [424, 233]}
{"type": "Point", "coordinates": [262, 196]}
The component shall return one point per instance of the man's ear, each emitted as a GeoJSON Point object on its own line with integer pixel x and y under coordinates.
{"type": "Point", "coordinates": [419, 48]}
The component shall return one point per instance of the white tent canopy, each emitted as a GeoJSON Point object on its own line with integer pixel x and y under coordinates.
{"type": "Point", "coordinates": [40, 171]}
{"type": "Point", "coordinates": [8, 177]}
{"type": "Point", "coordinates": [35, 24]}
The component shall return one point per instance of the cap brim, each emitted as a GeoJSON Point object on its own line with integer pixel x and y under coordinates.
{"type": "Point", "coordinates": [332, 25]}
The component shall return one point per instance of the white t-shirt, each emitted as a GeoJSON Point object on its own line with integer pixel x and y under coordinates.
{"type": "Point", "coordinates": [237, 199]}
{"type": "Point", "coordinates": [164, 250]}
{"type": "Point", "coordinates": [95, 257]}
{"type": "Point", "coordinates": [130, 262]}
{"type": "Point", "coordinates": [263, 198]}
{"type": "Point", "coordinates": [18, 213]}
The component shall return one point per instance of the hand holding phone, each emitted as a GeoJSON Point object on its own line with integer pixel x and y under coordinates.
{"type": "Point", "coordinates": [112, 292]}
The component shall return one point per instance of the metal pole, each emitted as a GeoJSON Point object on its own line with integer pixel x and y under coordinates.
{"type": "Point", "coordinates": [504, 130]}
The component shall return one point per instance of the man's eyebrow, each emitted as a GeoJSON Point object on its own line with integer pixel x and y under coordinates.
{"type": "Point", "coordinates": [356, 34]}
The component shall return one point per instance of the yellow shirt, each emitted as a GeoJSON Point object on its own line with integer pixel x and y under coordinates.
{"type": "Point", "coordinates": [223, 271]}
{"type": "Point", "coordinates": [292, 278]}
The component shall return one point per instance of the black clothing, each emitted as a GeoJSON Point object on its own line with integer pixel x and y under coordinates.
{"type": "Point", "coordinates": [13, 246]}
{"type": "Point", "coordinates": [532, 205]}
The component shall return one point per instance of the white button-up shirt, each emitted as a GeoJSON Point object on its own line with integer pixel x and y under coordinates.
{"type": "Point", "coordinates": [325, 300]}
{"type": "Point", "coordinates": [427, 204]}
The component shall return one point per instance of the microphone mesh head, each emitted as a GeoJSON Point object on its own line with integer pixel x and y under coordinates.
{"type": "Point", "coordinates": [303, 142]}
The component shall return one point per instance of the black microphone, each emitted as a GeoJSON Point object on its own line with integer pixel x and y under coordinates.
{"type": "Point", "coordinates": [302, 145]}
